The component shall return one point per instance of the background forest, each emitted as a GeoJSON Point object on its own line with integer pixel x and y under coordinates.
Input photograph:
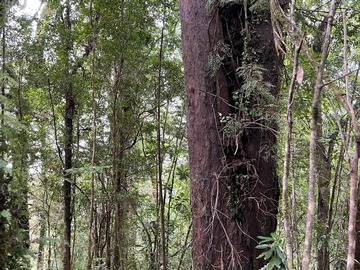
{"type": "Point", "coordinates": [94, 167]}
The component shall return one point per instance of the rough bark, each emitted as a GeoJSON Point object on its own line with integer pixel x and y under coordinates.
{"type": "Point", "coordinates": [234, 192]}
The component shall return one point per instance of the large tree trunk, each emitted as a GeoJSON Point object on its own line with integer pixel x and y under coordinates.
{"type": "Point", "coordinates": [234, 187]}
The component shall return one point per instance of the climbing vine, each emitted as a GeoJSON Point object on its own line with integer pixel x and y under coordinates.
{"type": "Point", "coordinates": [237, 61]}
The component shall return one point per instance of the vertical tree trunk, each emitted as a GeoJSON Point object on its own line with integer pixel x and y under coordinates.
{"type": "Point", "coordinates": [357, 228]}
{"type": "Point", "coordinates": [119, 176]}
{"type": "Point", "coordinates": [108, 235]}
{"type": "Point", "coordinates": [234, 188]}
{"type": "Point", "coordinates": [42, 234]}
{"type": "Point", "coordinates": [68, 144]}
{"type": "Point", "coordinates": [3, 144]}
{"type": "Point", "coordinates": [324, 176]}
{"type": "Point", "coordinates": [354, 163]}
{"type": "Point", "coordinates": [287, 159]}
{"type": "Point", "coordinates": [353, 204]}
{"type": "Point", "coordinates": [313, 139]}
{"type": "Point", "coordinates": [67, 190]}
{"type": "Point", "coordinates": [92, 232]}
{"type": "Point", "coordinates": [20, 169]}
{"type": "Point", "coordinates": [119, 213]}
{"type": "Point", "coordinates": [159, 156]}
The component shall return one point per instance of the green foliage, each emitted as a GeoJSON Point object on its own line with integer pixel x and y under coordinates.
{"type": "Point", "coordinates": [254, 87]}
{"type": "Point", "coordinates": [127, 54]}
{"type": "Point", "coordinates": [273, 253]}
{"type": "Point", "coordinates": [255, 107]}
{"type": "Point", "coordinates": [7, 215]}
{"type": "Point", "coordinates": [231, 127]}
{"type": "Point", "coordinates": [217, 57]}
{"type": "Point", "coordinates": [221, 3]}
{"type": "Point", "coordinates": [259, 7]}
{"type": "Point", "coordinates": [13, 253]}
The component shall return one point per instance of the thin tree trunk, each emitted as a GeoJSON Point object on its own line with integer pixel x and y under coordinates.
{"type": "Point", "coordinates": [108, 235]}
{"type": "Point", "coordinates": [287, 158]}
{"type": "Point", "coordinates": [68, 145]}
{"type": "Point", "coordinates": [159, 156]}
{"type": "Point", "coordinates": [91, 233]}
{"type": "Point", "coordinates": [67, 190]}
{"type": "Point", "coordinates": [20, 171]}
{"type": "Point", "coordinates": [3, 144]}
{"type": "Point", "coordinates": [357, 229]}
{"type": "Point", "coordinates": [353, 206]}
{"type": "Point", "coordinates": [313, 140]}
{"type": "Point", "coordinates": [324, 176]}
{"type": "Point", "coordinates": [185, 247]}
{"type": "Point", "coordinates": [48, 226]}
{"type": "Point", "coordinates": [119, 217]}
{"type": "Point", "coordinates": [119, 170]}
{"type": "Point", "coordinates": [354, 163]}
{"type": "Point", "coordinates": [42, 234]}
{"type": "Point", "coordinates": [117, 245]}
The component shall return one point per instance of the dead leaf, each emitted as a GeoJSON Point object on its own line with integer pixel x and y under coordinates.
{"type": "Point", "coordinates": [300, 75]}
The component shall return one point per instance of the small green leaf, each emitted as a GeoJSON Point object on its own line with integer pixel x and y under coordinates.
{"type": "Point", "coordinates": [270, 266]}
{"type": "Point", "coordinates": [280, 254]}
{"type": "Point", "coordinates": [265, 239]}
{"type": "Point", "coordinates": [261, 255]}
{"type": "Point", "coordinates": [276, 261]}
{"type": "Point", "coordinates": [6, 214]}
{"type": "Point", "coordinates": [262, 246]}
{"type": "Point", "coordinates": [3, 164]}
{"type": "Point", "coordinates": [268, 254]}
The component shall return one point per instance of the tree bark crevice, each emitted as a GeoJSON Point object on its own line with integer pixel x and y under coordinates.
{"type": "Point", "coordinates": [234, 197]}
